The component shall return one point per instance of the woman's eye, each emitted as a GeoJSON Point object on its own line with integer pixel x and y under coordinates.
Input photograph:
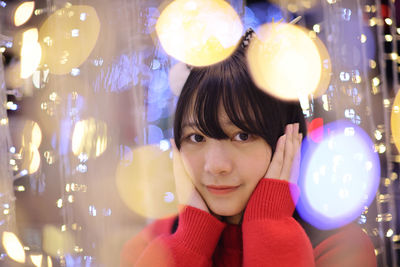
{"type": "Point", "coordinates": [196, 138]}
{"type": "Point", "coordinates": [241, 137]}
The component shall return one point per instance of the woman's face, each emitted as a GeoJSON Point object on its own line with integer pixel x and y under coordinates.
{"type": "Point", "coordinates": [225, 172]}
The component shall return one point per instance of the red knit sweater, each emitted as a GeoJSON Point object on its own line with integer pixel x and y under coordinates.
{"type": "Point", "coordinates": [268, 236]}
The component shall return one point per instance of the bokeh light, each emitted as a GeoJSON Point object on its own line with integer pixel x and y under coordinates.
{"type": "Point", "coordinates": [146, 184]}
{"type": "Point", "coordinates": [339, 176]}
{"type": "Point", "coordinates": [31, 134]}
{"type": "Point", "coordinates": [295, 6]}
{"type": "Point", "coordinates": [63, 34]}
{"type": "Point", "coordinates": [288, 62]}
{"type": "Point", "coordinates": [30, 158]}
{"type": "Point", "coordinates": [316, 130]}
{"type": "Point", "coordinates": [199, 32]}
{"type": "Point", "coordinates": [37, 260]}
{"type": "Point", "coordinates": [23, 13]}
{"type": "Point", "coordinates": [89, 137]}
{"type": "Point", "coordinates": [31, 53]}
{"type": "Point", "coordinates": [57, 242]}
{"type": "Point", "coordinates": [13, 247]}
{"type": "Point", "coordinates": [30, 143]}
{"type": "Point", "coordinates": [395, 121]}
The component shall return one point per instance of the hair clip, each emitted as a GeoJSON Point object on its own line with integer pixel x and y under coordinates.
{"type": "Point", "coordinates": [247, 37]}
{"type": "Point", "coordinates": [249, 34]}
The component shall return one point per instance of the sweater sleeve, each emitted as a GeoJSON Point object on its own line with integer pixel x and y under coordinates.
{"type": "Point", "coordinates": [271, 236]}
{"type": "Point", "coordinates": [348, 247]}
{"type": "Point", "coordinates": [192, 244]}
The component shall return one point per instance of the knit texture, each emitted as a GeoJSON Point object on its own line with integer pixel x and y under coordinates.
{"type": "Point", "coordinates": [268, 236]}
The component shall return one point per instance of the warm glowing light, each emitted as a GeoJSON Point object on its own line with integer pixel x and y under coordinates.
{"type": "Point", "coordinates": [340, 176]}
{"type": "Point", "coordinates": [386, 103]}
{"type": "Point", "coordinates": [146, 184]}
{"type": "Point", "coordinates": [67, 40]}
{"type": "Point", "coordinates": [13, 247]}
{"type": "Point", "coordinates": [372, 22]}
{"type": "Point", "coordinates": [199, 32]}
{"type": "Point", "coordinates": [287, 63]}
{"type": "Point", "coordinates": [57, 242]}
{"type": "Point", "coordinates": [363, 38]}
{"type": "Point", "coordinates": [21, 188]}
{"type": "Point", "coordinates": [388, 38]}
{"type": "Point", "coordinates": [37, 260]}
{"type": "Point", "coordinates": [376, 81]}
{"type": "Point", "coordinates": [295, 5]}
{"type": "Point", "coordinates": [372, 64]}
{"type": "Point", "coordinates": [59, 203]}
{"type": "Point", "coordinates": [30, 158]}
{"type": "Point", "coordinates": [23, 13]}
{"type": "Point", "coordinates": [89, 137]}
{"type": "Point", "coordinates": [389, 21]}
{"type": "Point", "coordinates": [395, 121]}
{"type": "Point", "coordinates": [32, 134]}
{"type": "Point", "coordinates": [31, 53]}
{"type": "Point", "coordinates": [317, 28]}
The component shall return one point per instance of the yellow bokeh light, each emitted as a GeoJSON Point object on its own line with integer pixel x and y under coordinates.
{"type": "Point", "coordinates": [30, 158]}
{"type": "Point", "coordinates": [23, 13]}
{"type": "Point", "coordinates": [13, 247]}
{"type": "Point", "coordinates": [199, 32]}
{"type": "Point", "coordinates": [31, 53]}
{"type": "Point", "coordinates": [68, 36]}
{"type": "Point", "coordinates": [289, 63]}
{"type": "Point", "coordinates": [146, 184]}
{"type": "Point", "coordinates": [389, 21]}
{"type": "Point", "coordinates": [31, 134]}
{"type": "Point", "coordinates": [37, 260]}
{"type": "Point", "coordinates": [49, 262]}
{"type": "Point", "coordinates": [395, 121]}
{"type": "Point", "coordinates": [295, 5]}
{"type": "Point", "coordinates": [57, 242]}
{"type": "Point", "coordinates": [89, 137]}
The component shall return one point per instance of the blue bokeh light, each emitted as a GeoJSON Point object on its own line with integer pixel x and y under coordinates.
{"type": "Point", "coordinates": [338, 177]}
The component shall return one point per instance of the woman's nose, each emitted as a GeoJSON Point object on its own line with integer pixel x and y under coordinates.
{"type": "Point", "coordinates": [217, 159]}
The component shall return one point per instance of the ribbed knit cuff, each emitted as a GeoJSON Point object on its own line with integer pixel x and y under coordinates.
{"type": "Point", "coordinates": [272, 199]}
{"type": "Point", "coordinates": [198, 231]}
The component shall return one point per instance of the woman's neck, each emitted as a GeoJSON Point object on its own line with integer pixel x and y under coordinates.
{"type": "Point", "coordinates": [235, 219]}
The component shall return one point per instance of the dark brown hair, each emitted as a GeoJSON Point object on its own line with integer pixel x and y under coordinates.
{"type": "Point", "coordinates": [229, 84]}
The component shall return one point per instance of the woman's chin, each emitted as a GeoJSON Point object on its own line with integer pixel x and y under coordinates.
{"type": "Point", "coordinates": [225, 212]}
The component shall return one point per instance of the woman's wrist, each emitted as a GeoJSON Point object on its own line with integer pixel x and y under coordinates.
{"type": "Point", "coordinates": [271, 199]}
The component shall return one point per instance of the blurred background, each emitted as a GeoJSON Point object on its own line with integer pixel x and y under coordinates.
{"type": "Point", "coordinates": [88, 90]}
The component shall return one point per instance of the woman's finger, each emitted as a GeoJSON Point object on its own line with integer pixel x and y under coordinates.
{"type": "Point", "coordinates": [275, 167]}
{"type": "Point", "coordinates": [289, 152]}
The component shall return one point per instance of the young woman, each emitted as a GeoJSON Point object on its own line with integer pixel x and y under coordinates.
{"type": "Point", "coordinates": [235, 165]}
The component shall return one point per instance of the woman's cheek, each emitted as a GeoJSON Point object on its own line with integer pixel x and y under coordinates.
{"type": "Point", "coordinates": [189, 163]}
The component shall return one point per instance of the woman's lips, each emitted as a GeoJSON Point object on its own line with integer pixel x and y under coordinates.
{"type": "Point", "coordinates": [221, 189]}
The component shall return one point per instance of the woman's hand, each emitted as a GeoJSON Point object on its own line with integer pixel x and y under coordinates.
{"type": "Point", "coordinates": [185, 189]}
{"type": "Point", "coordinates": [285, 162]}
